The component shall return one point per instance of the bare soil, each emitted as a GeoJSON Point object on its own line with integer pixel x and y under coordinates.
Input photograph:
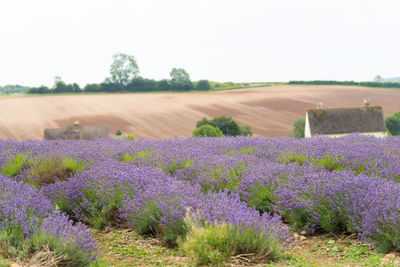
{"type": "Point", "coordinates": [270, 110]}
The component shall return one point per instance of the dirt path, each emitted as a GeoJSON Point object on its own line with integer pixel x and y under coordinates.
{"type": "Point", "coordinates": [270, 111]}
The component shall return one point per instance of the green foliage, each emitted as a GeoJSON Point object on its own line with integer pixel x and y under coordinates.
{"type": "Point", "coordinates": [105, 203]}
{"type": "Point", "coordinates": [173, 165]}
{"type": "Point", "coordinates": [118, 132]}
{"type": "Point", "coordinates": [58, 87]}
{"type": "Point", "coordinates": [13, 89]}
{"type": "Point", "coordinates": [180, 80]}
{"type": "Point", "coordinates": [352, 83]}
{"type": "Point", "coordinates": [39, 90]}
{"type": "Point", "coordinates": [148, 223]}
{"type": "Point", "coordinates": [261, 198]}
{"type": "Point", "coordinates": [123, 69]}
{"type": "Point", "coordinates": [291, 156]}
{"type": "Point", "coordinates": [131, 137]}
{"type": "Point", "coordinates": [47, 170]}
{"type": "Point", "coordinates": [213, 244]}
{"type": "Point", "coordinates": [393, 124]}
{"type": "Point", "coordinates": [298, 128]}
{"type": "Point", "coordinates": [226, 124]}
{"type": "Point", "coordinates": [202, 85]}
{"type": "Point", "coordinates": [207, 131]}
{"type": "Point", "coordinates": [74, 255]}
{"type": "Point", "coordinates": [141, 156]}
{"type": "Point", "coordinates": [42, 170]}
{"type": "Point", "coordinates": [61, 87]}
{"type": "Point", "coordinates": [221, 178]}
{"type": "Point", "coordinates": [245, 130]}
{"type": "Point", "coordinates": [17, 246]}
{"type": "Point", "coordinates": [15, 164]}
{"type": "Point", "coordinates": [72, 164]}
{"type": "Point", "coordinates": [93, 87]}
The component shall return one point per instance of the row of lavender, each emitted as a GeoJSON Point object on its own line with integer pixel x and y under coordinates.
{"type": "Point", "coordinates": [334, 185]}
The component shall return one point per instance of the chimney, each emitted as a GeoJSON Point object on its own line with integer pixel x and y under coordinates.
{"type": "Point", "coordinates": [76, 126]}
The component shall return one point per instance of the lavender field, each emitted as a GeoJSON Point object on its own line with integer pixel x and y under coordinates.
{"type": "Point", "coordinates": [211, 198]}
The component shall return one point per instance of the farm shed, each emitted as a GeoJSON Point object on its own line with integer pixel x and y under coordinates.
{"type": "Point", "coordinates": [336, 122]}
{"type": "Point", "coordinates": [76, 132]}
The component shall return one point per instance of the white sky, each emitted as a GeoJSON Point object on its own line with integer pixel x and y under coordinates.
{"type": "Point", "coordinates": [221, 40]}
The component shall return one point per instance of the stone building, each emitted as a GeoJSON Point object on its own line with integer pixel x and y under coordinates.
{"type": "Point", "coordinates": [336, 122]}
{"type": "Point", "coordinates": [76, 132]}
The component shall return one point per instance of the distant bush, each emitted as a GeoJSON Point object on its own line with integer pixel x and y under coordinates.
{"type": "Point", "coordinates": [298, 128]}
{"type": "Point", "coordinates": [39, 90]}
{"type": "Point", "coordinates": [353, 83]}
{"type": "Point", "coordinates": [13, 89]}
{"type": "Point", "coordinates": [245, 130]}
{"type": "Point", "coordinates": [393, 123]}
{"type": "Point", "coordinates": [207, 130]}
{"type": "Point", "coordinates": [93, 87]}
{"type": "Point", "coordinates": [118, 132]}
{"type": "Point", "coordinates": [226, 124]}
{"type": "Point", "coordinates": [203, 85]}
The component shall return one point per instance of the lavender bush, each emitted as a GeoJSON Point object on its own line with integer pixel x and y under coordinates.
{"type": "Point", "coordinates": [28, 221]}
{"type": "Point", "coordinates": [344, 185]}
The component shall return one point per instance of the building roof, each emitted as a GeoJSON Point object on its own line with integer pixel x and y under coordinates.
{"type": "Point", "coordinates": [346, 120]}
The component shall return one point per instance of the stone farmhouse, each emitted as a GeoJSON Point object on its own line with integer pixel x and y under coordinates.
{"type": "Point", "coordinates": [76, 132]}
{"type": "Point", "coordinates": [336, 122]}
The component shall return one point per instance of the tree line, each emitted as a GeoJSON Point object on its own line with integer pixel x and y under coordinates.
{"type": "Point", "coordinates": [13, 89]}
{"type": "Point", "coordinates": [124, 77]}
{"type": "Point", "coordinates": [332, 82]}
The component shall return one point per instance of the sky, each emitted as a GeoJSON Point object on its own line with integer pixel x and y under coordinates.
{"type": "Point", "coordinates": [219, 40]}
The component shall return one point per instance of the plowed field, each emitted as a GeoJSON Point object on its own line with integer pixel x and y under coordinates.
{"type": "Point", "coordinates": [270, 110]}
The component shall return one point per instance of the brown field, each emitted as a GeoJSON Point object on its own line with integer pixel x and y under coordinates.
{"type": "Point", "coordinates": [270, 110]}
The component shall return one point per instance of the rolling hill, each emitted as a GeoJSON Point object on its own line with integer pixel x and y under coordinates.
{"type": "Point", "coordinates": [270, 110]}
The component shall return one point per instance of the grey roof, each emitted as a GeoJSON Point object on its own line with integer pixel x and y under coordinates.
{"type": "Point", "coordinates": [346, 120]}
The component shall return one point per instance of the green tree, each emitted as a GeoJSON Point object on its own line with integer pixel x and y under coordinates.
{"type": "Point", "coordinates": [202, 122]}
{"type": "Point", "coordinates": [393, 123]}
{"type": "Point", "coordinates": [61, 87]}
{"type": "Point", "coordinates": [180, 79]}
{"type": "Point", "coordinates": [207, 130]}
{"type": "Point", "coordinates": [298, 128]}
{"type": "Point", "coordinates": [203, 85]}
{"type": "Point", "coordinates": [245, 130]}
{"type": "Point", "coordinates": [123, 69]}
{"type": "Point", "coordinates": [226, 124]}
{"type": "Point", "coordinates": [39, 90]}
{"type": "Point", "coordinates": [92, 87]}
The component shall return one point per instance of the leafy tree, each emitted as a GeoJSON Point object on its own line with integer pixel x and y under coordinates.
{"type": "Point", "coordinates": [203, 85]}
{"type": "Point", "coordinates": [393, 123]}
{"type": "Point", "coordinates": [163, 85]}
{"type": "Point", "coordinates": [13, 89]}
{"type": "Point", "coordinates": [245, 130]}
{"type": "Point", "coordinates": [39, 90]}
{"type": "Point", "coordinates": [180, 80]}
{"type": "Point", "coordinates": [378, 78]}
{"type": "Point", "coordinates": [226, 124]}
{"type": "Point", "coordinates": [92, 87]}
{"type": "Point", "coordinates": [123, 69]}
{"type": "Point", "coordinates": [61, 87]}
{"type": "Point", "coordinates": [298, 128]}
{"type": "Point", "coordinates": [76, 88]}
{"type": "Point", "coordinates": [202, 122]}
{"type": "Point", "coordinates": [207, 130]}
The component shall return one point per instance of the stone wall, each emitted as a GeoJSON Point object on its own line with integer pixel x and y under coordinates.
{"type": "Point", "coordinates": [74, 133]}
